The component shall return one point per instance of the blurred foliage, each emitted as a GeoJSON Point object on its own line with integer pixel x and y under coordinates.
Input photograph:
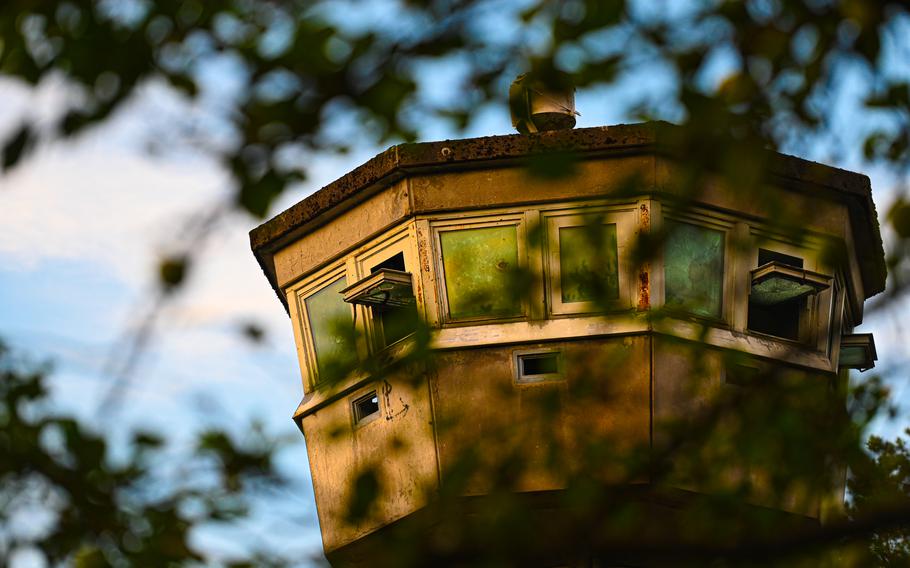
{"type": "Point", "coordinates": [303, 62]}
{"type": "Point", "coordinates": [67, 496]}
{"type": "Point", "coordinates": [880, 485]}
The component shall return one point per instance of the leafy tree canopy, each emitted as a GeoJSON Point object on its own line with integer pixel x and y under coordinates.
{"type": "Point", "coordinates": [94, 509]}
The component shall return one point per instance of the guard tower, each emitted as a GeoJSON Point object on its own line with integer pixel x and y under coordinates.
{"type": "Point", "coordinates": [527, 283]}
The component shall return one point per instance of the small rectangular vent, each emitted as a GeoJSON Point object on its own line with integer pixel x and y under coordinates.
{"type": "Point", "coordinates": [539, 364]}
{"type": "Point", "coordinates": [366, 408]}
{"type": "Point", "coordinates": [532, 366]}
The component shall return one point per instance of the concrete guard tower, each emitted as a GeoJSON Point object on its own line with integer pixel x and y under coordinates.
{"type": "Point", "coordinates": [432, 231]}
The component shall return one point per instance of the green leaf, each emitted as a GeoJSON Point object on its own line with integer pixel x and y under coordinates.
{"type": "Point", "coordinates": [256, 196]}
{"type": "Point", "coordinates": [17, 146]}
{"type": "Point", "coordinates": [90, 557]}
{"type": "Point", "coordinates": [172, 272]}
{"type": "Point", "coordinates": [253, 332]}
{"type": "Point", "coordinates": [899, 216]}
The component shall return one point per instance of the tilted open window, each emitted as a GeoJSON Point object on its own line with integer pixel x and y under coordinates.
{"type": "Point", "coordinates": [779, 290]}
{"type": "Point", "coordinates": [388, 293]}
{"type": "Point", "coordinates": [857, 351]}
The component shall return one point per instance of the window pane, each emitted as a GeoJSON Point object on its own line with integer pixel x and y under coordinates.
{"type": "Point", "coordinates": [780, 318]}
{"type": "Point", "coordinates": [331, 324]}
{"type": "Point", "coordinates": [395, 323]}
{"type": "Point", "coordinates": [480, 267]}
{"type": "Point", "coordinates": [694, 269]}
{"type": "Point", "coordinates": [588, 263]}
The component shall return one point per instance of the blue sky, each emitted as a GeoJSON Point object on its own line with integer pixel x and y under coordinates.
{"type": "Point", "coordinates": [85, 221]}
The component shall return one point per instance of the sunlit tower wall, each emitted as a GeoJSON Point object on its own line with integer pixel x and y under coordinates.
{"type": "Point", "coordinates": [534, 286]}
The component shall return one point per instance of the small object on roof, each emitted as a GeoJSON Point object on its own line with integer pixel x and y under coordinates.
{"type": "Point", "coordinates": [536, 107]}
{"type": "Point", "coordinates": [384, 287]}
{"type": "Point", "coordinates": [857, 351]}
{"type": "Point", "coordinates": [774, 283]}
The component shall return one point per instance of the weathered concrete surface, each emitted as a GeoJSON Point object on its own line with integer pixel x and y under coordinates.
{"type": "Point", "coordinates": [696, 389]}
{"type": "Point", "coordinates": [375, 214]}
{"type": "Point", "coordinates": [398, 447]}
{"type": "Point", "coordinates": [472, 189]}
{"type": "Point", "coordinates": [483, 413]}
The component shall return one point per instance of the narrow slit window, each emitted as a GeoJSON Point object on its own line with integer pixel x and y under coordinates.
{"type": "Point", "coordinates": [538, 366]}
{"type": "Point", "coordinates": [366, 408]}
{"type": "Point", "coordinates": [481, 269]}
{"type": "Point", "coordinates": [694, 269]}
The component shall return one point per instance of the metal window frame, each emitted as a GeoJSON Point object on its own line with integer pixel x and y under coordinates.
{"type": "Point", "coordinates": [361, 421]}
{"type": "Point", "coordinates": [815, 320]}
{"type": "Point", "coordinates": [864, 341]}
{"type": "Point", "coordinates": [520, 354]}
{"type": "Point", "coordinates": [818, 281]}
{"type": "Point", "coordinates": [402, 240]}
{"type": "Point", "coordinates": [439, 226]}
{"type": "Point", "coordinates": [323, 279]}
{"type": "Point", "coordinates": [626, 221]}
{"type": "Point", "coordinates": [705, 219]}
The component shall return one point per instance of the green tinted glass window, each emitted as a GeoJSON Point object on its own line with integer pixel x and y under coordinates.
{"type": "Point", "coordinates": [694, 269]}
{"type": "Point", "coordinates": [588, 263]}
{"type": "Point", "coordinates": [480, 267]}
{"type": "Point", "coordinates": [331, 324]}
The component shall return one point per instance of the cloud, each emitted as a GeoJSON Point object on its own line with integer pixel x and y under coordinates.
{"type": "Point", "coordinates": [97, 204]}
{"type": "Point", "coordinates": [95, 214]}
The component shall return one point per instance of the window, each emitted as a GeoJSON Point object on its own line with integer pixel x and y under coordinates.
{"type": "Point", "coordinates": [481, 269]}
{"type": "Point", "coordinates": [392, 323]}
{"type": "Point", "coordinates": [857, 351]}
{"type": "Point", "coordinates": [537, 365]}
{"type": "Point", "coordinates": [385, 294]}
{"type": "Point", "coordinates": [694, 269]}
{"type": "Point", "coordinates": [773, 317]}
{"type": "Point", "coordinates": [395, 262]}
{"type": "Point", "coordinates": [331, 326]}
{"type": "Point", "coordinates": [585, 260]}
{"type": "Point", "coordinates": [365, 408]}
{"type": "Point", "coordinates": [588, 263]}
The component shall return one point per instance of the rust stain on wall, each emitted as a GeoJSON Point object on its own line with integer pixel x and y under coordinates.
{"type": "Point", "coordinates": [422, 251]}
{"type": "Point", "coordinates": [644, 288]}
{"type": "Point", "coordinates": [644, 281]}
{"type": "Point", "coordinates": [645, 218]}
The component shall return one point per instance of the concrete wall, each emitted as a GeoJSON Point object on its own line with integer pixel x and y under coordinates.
{"type": "Point", "coordinates": [398, 446]}
{"type": "Point", "coordinates": [545, 429]}
{"type": "Point", "coordinates": [734, 412]}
